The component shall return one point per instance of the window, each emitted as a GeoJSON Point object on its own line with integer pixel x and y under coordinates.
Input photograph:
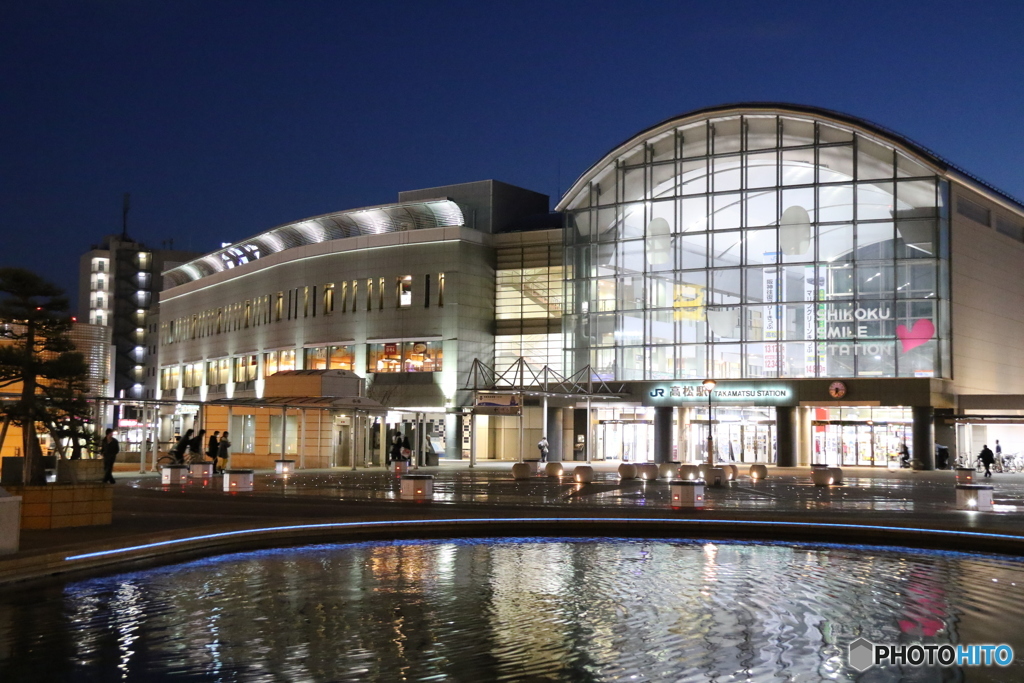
{"type": "Point", "coordinates": [405, 357]}
{"type": "Point", "coordinates": [369, 294]}
{"type": "Point", "coordinates": [440, 289]}
{"type": "Point", "coordinates": [404, 291]}
{"type": "Point", "coordinates": [169, 378]}
{"type": "Point", "coordinates": [246, 368]}
{"type": "Point", "coordinates": [291, 435]}
{"type": "Point", "coordinates": [243, 433]}
{"type": "Point", "coordinates": [426, 291]}
{"type": "Point", "coordinates": [278, 361]}
{"type": "Point", "coordinates": [279, 306]}
{"type": "Point", "coordinates": [305, 302]}
{"type": "Point", "coordinates": [380, 294]}
{"type": "Point", "coordinates": [328, 299]}
{"type": "Point", "coordinates": [355, 295]}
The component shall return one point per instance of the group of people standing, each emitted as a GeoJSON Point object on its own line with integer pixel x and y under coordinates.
{"type": "Point", "coordinates": [216, 449]}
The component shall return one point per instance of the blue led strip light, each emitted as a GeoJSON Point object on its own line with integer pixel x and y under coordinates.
{"type": "Point", "coordinates": [428, 522]}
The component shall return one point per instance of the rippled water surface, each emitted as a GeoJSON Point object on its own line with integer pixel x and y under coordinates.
{"type": "Point", "coordinates": [517, 609]}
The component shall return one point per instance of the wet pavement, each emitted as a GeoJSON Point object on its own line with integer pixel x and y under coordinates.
{"type": "Point", "coordinates": [145, 509]}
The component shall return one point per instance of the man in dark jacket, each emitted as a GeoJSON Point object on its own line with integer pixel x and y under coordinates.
{"type": "Point", "coordinates": [109, 449]}
{"type": "Point", "coordinates": [211, 448]}
{"type": "Point", "coordinates": [987, 458]}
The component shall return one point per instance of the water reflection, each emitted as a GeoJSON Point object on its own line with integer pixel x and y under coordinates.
{"type": "Point", "coordinates": [515, 609]}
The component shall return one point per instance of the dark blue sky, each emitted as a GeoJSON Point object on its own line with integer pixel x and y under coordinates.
{"type": "Point", "coordinates": [226, 118]}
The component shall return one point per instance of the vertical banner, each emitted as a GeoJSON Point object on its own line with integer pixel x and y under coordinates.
{"type": "Point", "coordinates": [771, 317]}
{"type": "Point", "coordinates": [812, 286]}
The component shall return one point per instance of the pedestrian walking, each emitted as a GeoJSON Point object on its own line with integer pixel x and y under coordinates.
{"type": "Point", "coordinates": [544, 447]}
{"type": "Point", "coordinates": [987, 458]}
{"type": "Point", "coordinates": [109, 449]}
{"type": "Point", "coordinates": [195, 447]}
{"type": "Point", "coordinates": [395, 452]}
{"type": "Point", "coordinates": [222, 453]}
{"type": "Point", "coordinates": [211, 448]}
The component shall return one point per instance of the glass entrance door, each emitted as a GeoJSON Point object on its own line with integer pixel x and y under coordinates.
{"type": "Point", "coordinates": [626, 440]}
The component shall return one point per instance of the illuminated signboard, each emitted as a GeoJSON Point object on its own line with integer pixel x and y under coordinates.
{"type": "Point", "coordinates": [682, 393]}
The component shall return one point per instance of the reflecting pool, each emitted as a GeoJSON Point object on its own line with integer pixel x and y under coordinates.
{"type": "Point", "coordinates": [536, 609]}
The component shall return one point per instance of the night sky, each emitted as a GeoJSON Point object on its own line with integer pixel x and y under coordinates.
{"type": "Point", "coordinates": [224, 118]}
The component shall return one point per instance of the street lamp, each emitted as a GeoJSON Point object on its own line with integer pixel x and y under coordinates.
{"type": "Point", "coordinates": [709, 385]}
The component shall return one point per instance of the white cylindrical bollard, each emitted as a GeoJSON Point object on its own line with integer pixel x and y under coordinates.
{"type": "Point", "coordinates": [522, 470]}
{"type": "Point", "coordinates": [822, 476]}
{"type": "Point", "coordinates": [284, 466]}
{"type": "Point", "coordinates": [758, 472]}
{"type": "Point", "coordinates": [647, 471]}
{"type": "Point", "coordinates": [837, 475]}
{"type": "Point", "coordinates": [687, 493]}
{"type": "Point", "coordinates": [974, 497]}
{"type": "Point", "coordinates": [583, 474]}
{"type": "Point", "coordinates": [668, 470]}
{"type": "Point", "coordinates": [689, 472]}
{"type": "Point", "coordinates": [965, 475]}
{"type": "Point", "coordinates": [627, 470]}
{"type": "Point", "coordinates": [418, 487]}
{"type": "Point", "coordinates": [173, 474]}
{"type": "Point", "coordinates": [238, 480]}
{"type": "Point", "coordinates": [200, 470]}
{"type": "Point", "coordinates": [553, 469]}
{"type": "Point", "coordinates": [732, 472]}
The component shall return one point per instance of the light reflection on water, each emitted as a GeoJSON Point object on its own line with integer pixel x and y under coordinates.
{"type": "Point", "coordinates": [516, 609]}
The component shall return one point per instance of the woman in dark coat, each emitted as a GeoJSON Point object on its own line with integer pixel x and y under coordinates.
{"type": "Point", "coordinates": [395, 453]}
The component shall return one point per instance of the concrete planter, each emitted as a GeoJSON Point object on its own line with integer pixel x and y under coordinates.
{"type": "Point", "coordinates": [627, 470]}
{"type": "Point", "coordinates": [10, 523]}
{"type": "Point", "coordinates": [647, 471]}
{"type": "Point", "coordinates": [56, 506]}
{"type": "Point", "coordinates": [690, 472]}
{"type": "Point", "coordinates": [732, 472]}
{"type": "Point", "coordinates": [668, 470]}
{"type": "Point", "coordinates": [79, 471]}
{"type": "Point", "coordinates": [522, 470]}
{"type": "Point", "coordinates": [758, 472]}
{"type": "Point", "coordinates": [583, 474]}
{"type": "Point", "coordinates": [553, 469]}
{"type": "Point", "coordinates": [822, 476]}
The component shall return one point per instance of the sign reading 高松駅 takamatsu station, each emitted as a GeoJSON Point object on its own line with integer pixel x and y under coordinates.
{"type": "Point", "coordinates": [745, 393]}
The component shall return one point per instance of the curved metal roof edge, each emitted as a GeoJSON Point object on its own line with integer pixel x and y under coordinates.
{"type": "Point", "coordinates": [183, 268]}
{"type": "Point", "coordinates": [869, 126]}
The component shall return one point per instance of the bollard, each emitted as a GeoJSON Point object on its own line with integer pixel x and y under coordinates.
{"type": "Point", "coordinates": [974, 497]}
{"type": "Point", "coordinates": [732, 472]}
{"type": "Point", "coordinates": [689, 472]}
{"type": "Point", "coordinates": [583, 474]}
{"type": "Point", "coordinates": [965, 475]}
{"type": "Point", "coordinates": [285, 467]}
{"type": "Point", "coordinates": [647, 471]}
{"type": "Point", "coordinates": [417, 487]}
{"type": "Point", "coordinates": [758, 472]}
{"type": "Point", "coordinates": [627, 470]}
{"type": "Point", "coordinates": [238, 480]}
{"type": "Point", "coordinates": [702, 471]}
{"type": "Point", "coordinates": [717, 476]}
{"type": "Point", "coordinates": [200, 470]}
{"type": "Point", "coordinates": [687, 493]}
{"type": "Point", "coordinates": [837, 475]}
{"type": "Point", "coordinates": [522, 470]}
{"type": "Point", "coordinates": [668, 470]}
{"type": "Point", "coordinates": [534, 466]}
{"type": "Point", "coordinates": [553, 469]}
{"type": "Point", "coordinates": [173, 474]}
{"type": "Point", "coordinates": [822, 476]}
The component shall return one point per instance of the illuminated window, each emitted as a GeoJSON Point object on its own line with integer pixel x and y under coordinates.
{"type": "Point", "coordinates": [440, 289]}
{"type": "Point", "coordinates": [328, 299]}
{"type": "Point", "coordinates": [355, 295]}
{"type": "Point", "coordinates": [279, 306]}
{"type": "Point", "coordinates": [380, 294]}
{"type": "Point", "coordinates": [344, 297]}
{"type": "Point", "coordinates": [404, 290]}
{"type": "Point", "coordinates": [405, 357]}
{"type": "Point", "coordinates": [369, 294]}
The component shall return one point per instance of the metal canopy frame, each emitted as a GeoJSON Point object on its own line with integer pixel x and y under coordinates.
{"type": "Point", "coordinates": [522, 377]}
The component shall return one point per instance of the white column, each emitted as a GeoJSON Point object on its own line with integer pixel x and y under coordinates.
{"type": "Point", "coordinates": [590, 433]}
{"type": "Point", "coordinates": [472, 439]}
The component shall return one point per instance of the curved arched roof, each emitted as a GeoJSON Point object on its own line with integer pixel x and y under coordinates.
{"type": "Point", "coordinates": [332, 226]}
{"type": "Point", "coordinates": [922, 153]}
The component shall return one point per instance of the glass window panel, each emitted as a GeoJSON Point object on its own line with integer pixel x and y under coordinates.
{"type": "Point", "coordinates": [802, 197]}
{"type": "Point", "coordinates": [342, 358]}
{"type": "Point", "coordinates": [581, 200]}
{"type": "Point", "coordinates": [727, 249]}
{"type": "Point", "coordinates": [607, 224]}
{"type": "Point", "coordinates": [727, 360]}
{"type": "Point", "coordinates": [798, 359]}
{"type": "Point", "coordinates": [839, 359]}
{"type": "Point", "coordinates": [762, 132]}
{"type": "Point", "coordinates": [633, 185]}
{"type": "Point", "coordinates": [838, 281]}
{"type": "Point", "coordinates": [631, 256]}
{"type": "Point", "coordinates": [761, 246]}
{"type": "Point", "coordinates": [874, 241]}
{"type": "Point", "coordinates": [873, 160]}
{"type": "Point", "coordinates": [694, 213]}
{"type": "Point", "coordinates": [695, 176]}
{"type": "Point", "coordinates": [835, 203]}
{"type": "Point", "coordinates": [728, 210]}
{"type": "Point", "coordinates": [603, 294]}
{"type": "Point", "coordinates": [797, 166]}
{"type": "Point", "coordinates": [827, 134]}
{"type": "Point", "coordinates": [691, 361]}
{"type": "Point", "coordinates": [695, 140]}
{"type": "Point", "coordinates": [660, 292]}
{"type": "Point", "coordinates": [631, 363]}
{"type": "Point", "coordinates": [665, 210]}
{"type": "Point", "coordinates": [835, 242]}
{"type": "Point", "coordinates": [915, 345]}
{"type": "Point", "coordinates": [762, 208]}
{"type": "Point", "coordinates": [876, 359]}
{"type": "Point", "coordinates": [754, 319]}
{"type": "Point", "coordinates": [727, 173]}
{"type": "Point", "coordinates": [688, 297]}
{"type": "Point", "coordinates": [603, 363]}
{"type": "Point", "coordinates": [635, 156]}
{"type": "Point", "coordinates": [793, 282]}
{"type": "Point", "coordinates": [725, 288]}
{"type": "Point", "coordinates": [918, 194]}
{"type": "Point", "coordinates": [661, 326]}
{"type": "Point", "coordinates": [605, 186]}
{"type": "Point", "coordinates": [726, 322]}
{"type": "Point", "coordinates": [908, 168]}
{"type": "Point", "coordinates": [875, 201]}
{"type": "Point", "coordinates": [797, 132]}
{"type": "Point", "coordinates": [835, 164]}
{"type": "Point", "coordinates": [602, 329]}
{"type": "Point", "coordinates": [762, 284]}
{"type": "Point", "coordinates": [630, 293]}
{"type": "Point", "coordinates": [916, 239]}
{"type": "Point", "coordinates": [661, 362]}
{"type": "Point", "coordinates": [663, 147]}
{"type": "Point", "coordinates": [875, 281]}
{"type": "Point", "coordinates": [762, 169]}
{"type": "Point", "coordinates": [693, 251]}
{"type": "Point", "coordinates": [915, 280]}
{"type": "Point", "coordinates": [727, 135]}
{"type": "Point", "coordinates": [664, 180]}
{"type": "Point", "coordinates": [796, 242]}
{"type": "Point", "coordinates": [580, 226]}
{"type": "Point", "coordinates": [632, 221]}
{"type": "Point", "coordinates": [756, 363]}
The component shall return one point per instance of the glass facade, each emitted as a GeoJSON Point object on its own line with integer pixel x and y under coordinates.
{"type": "Point", "coordinates": [758, 247]}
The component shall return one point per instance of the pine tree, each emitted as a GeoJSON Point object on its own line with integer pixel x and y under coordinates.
{"type": "Point", "coordinates": [39, 355]}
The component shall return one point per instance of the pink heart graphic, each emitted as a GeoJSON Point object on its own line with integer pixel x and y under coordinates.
{"type": "Point", "coordinates": [921, 332]}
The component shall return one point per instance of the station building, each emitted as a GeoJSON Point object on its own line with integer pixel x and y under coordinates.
{"type": "Point", "coordinates": [849, 291]}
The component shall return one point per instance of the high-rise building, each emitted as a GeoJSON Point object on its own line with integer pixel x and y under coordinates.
{"type": "Point", "coordinates": [119, 280]}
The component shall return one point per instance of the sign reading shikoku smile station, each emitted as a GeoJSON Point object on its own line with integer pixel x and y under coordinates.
{"type": "Point", "coordinates": [681, 393]}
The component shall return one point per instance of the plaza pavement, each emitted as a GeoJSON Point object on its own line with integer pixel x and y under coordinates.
{"type": "Point", "coordinates": [154, 524]}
